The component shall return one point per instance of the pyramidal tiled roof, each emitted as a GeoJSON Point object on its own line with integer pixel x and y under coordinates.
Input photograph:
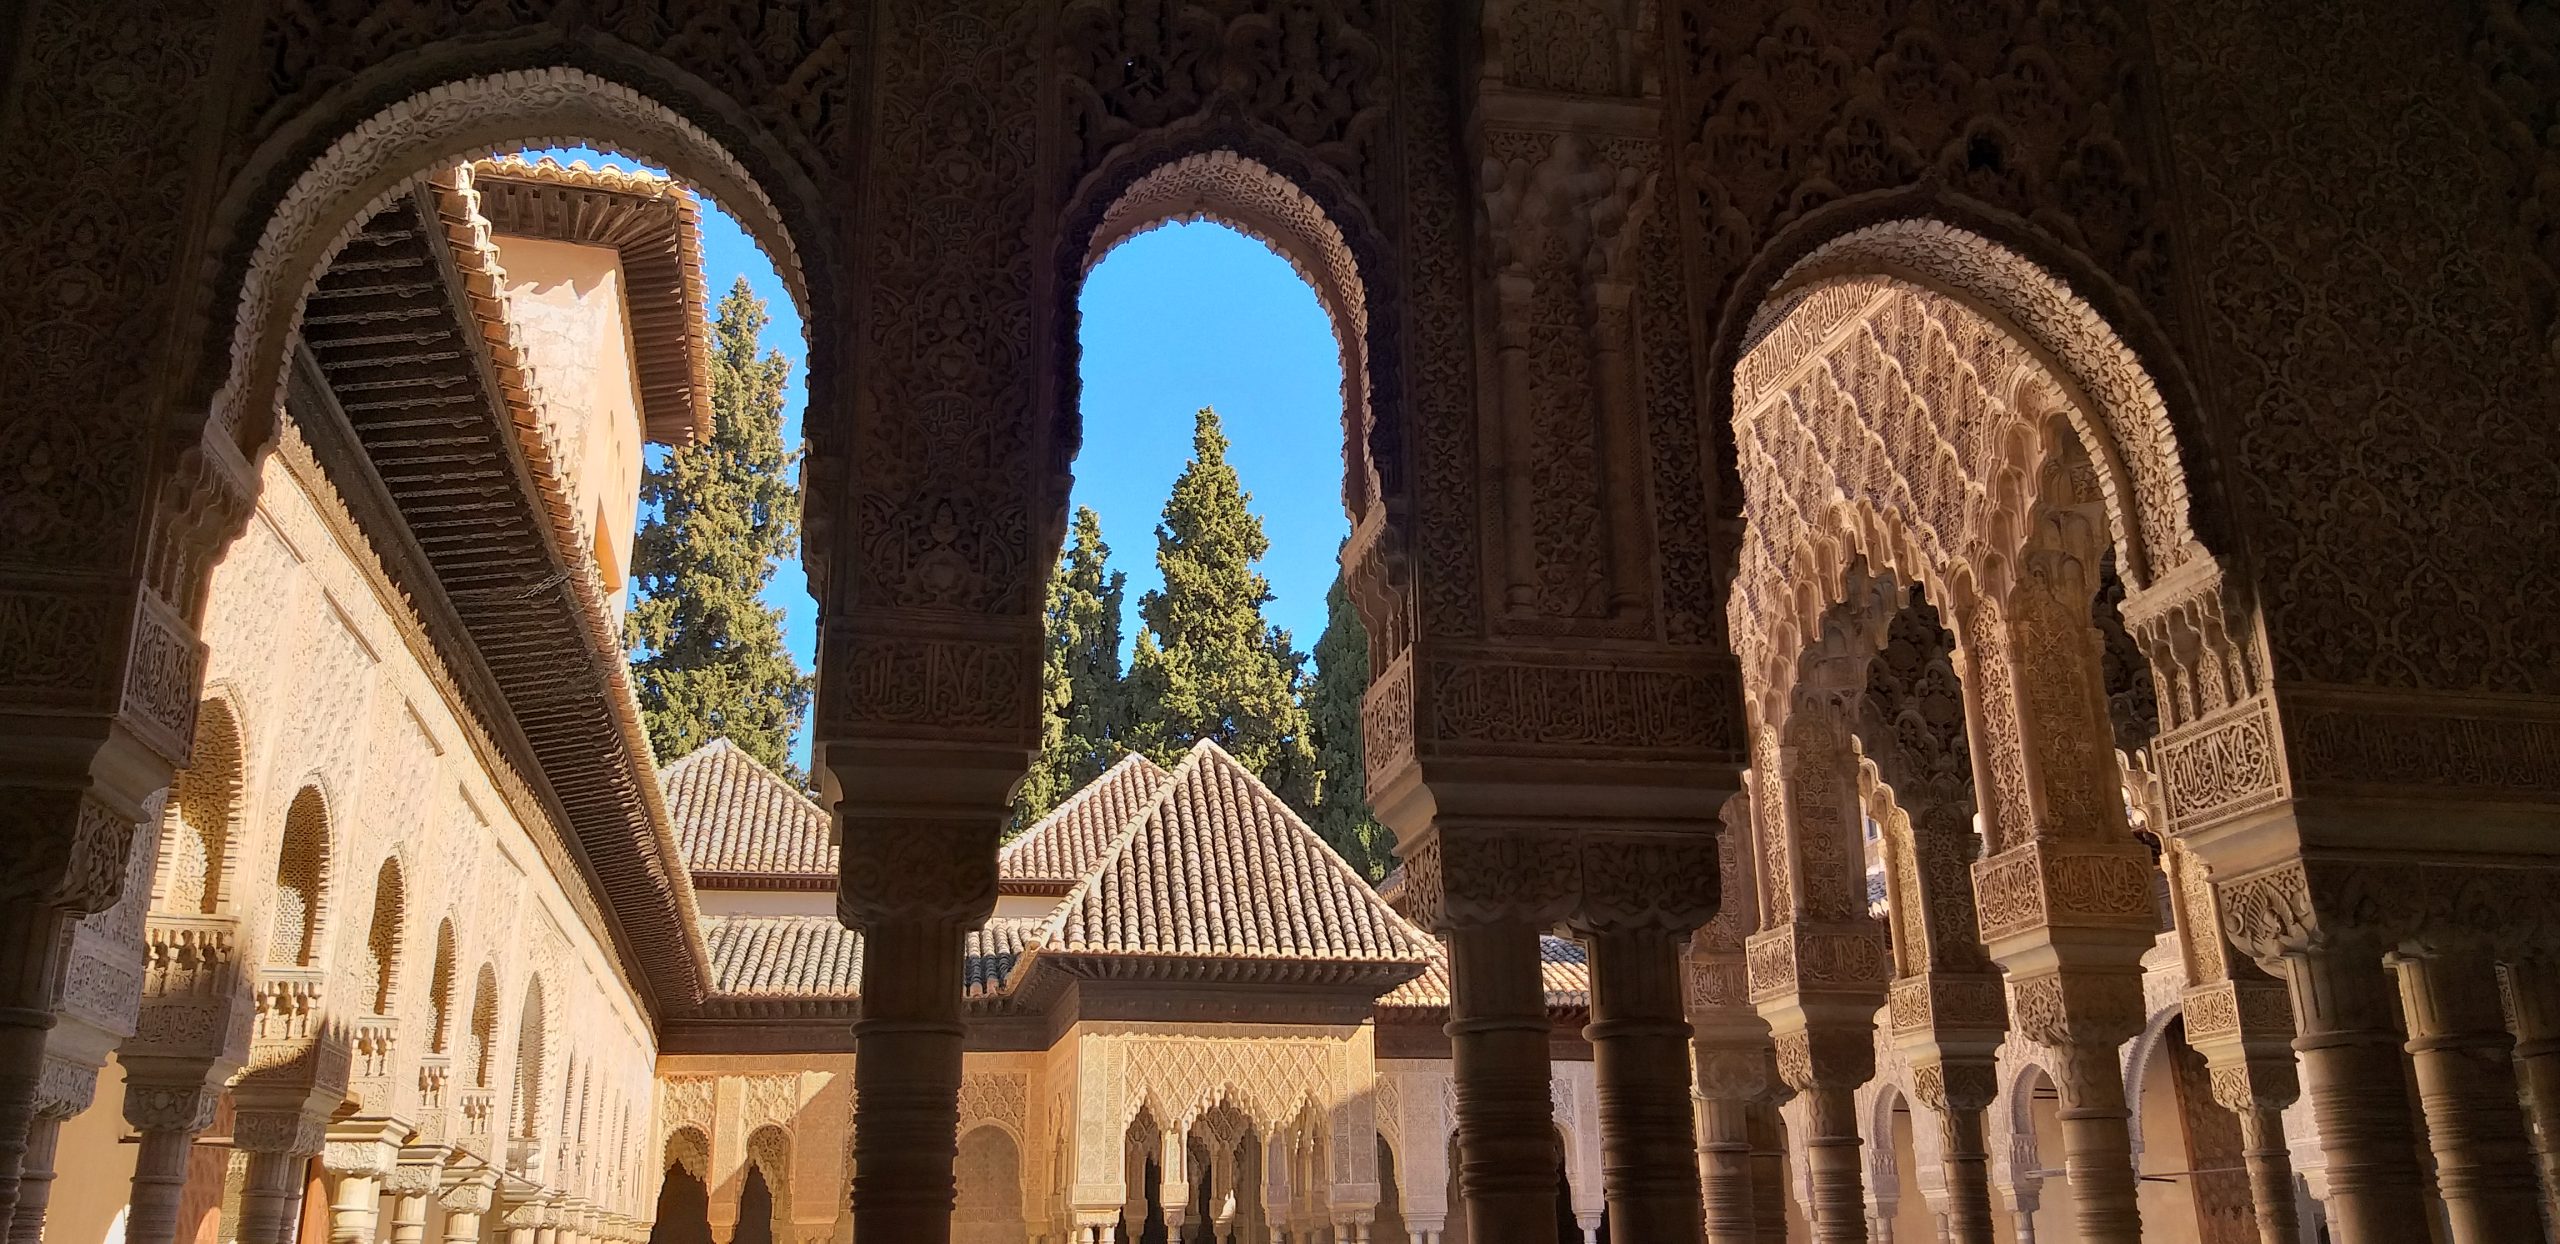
{"type": "Point", "coordinates": [741, 823]}
{"type": "Point", "coordinates": [1217, 866]}
{"type": "Point", "coordinates": [1067, 843]}
{"type": "Point", "coordinates": [816, 957]}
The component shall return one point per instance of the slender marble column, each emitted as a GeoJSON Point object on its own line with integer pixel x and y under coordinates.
{"type": "Point", "coordinates": [352, 1209]}
{"type": "Point", "coordinates": [1498, 1048]}
{"type": "Point", "coordinates": [1831, 1145]}
{"type": "Point", "coordinates": [2270, 1163]}
{"type": "Point", "coordinates": [35, 1179]}
{"type": "Point", "coordinates": [2352, 1069]}
{"type": "Point", "coordinates": [2096, 1144]}
{"type": "Point", "coordinates": [907, 1082]}
{"type": "Point", "coordinates": [1966, 1157]}
{"type": "Point", "coordinates": [2467, 1084]}
{"type": "Point", "coordinates": [31, 937]}
{"type": "Point", "coordinates": [1769, 1172]}
{"type": "Point", "coordinates": [1724, 1151]}
{"type": "Point", "coordinates": [167, 1111]}
{"type": "Point", "coordinates": [1639, 1037]}
{"type": "Point", "coordinates": [465, 1201]}
{"type": "Point", "coordinates": [271, 1197]}
{"type": "Point", "coordinates": [2533, 999]}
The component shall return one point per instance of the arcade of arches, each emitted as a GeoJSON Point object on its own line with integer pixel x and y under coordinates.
{"type": "Point", "coordinates": [1960, 599]}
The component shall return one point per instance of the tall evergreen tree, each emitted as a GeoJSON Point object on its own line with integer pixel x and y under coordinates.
{"type": "Point", "coordinates": [1333, 708]}
{"type": "Point", "coordinates": [1208, 664]}
{"type": "Point", "coordinates": [1085, 722]}
{"type": "Point", "coordinates": [708, 657]}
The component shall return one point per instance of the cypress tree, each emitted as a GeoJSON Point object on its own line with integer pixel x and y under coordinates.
{"type": "Point", "coordinates": [1333, 709]}
{"type": "Point", "coordinates": [1085, 722]}
{"type": "Point", "coordinates": [1208, 664]}
{"type": "Point", "coordinates": [708, 656]}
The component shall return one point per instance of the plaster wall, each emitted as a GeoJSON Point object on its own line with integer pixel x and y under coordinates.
{"type": "Point", "coordinates": [568, 303]}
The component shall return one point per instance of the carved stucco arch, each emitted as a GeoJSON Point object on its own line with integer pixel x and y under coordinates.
{"type": "Point", "coordinates": [2138, 1055]}
{"type": "Point", "coordinates": [1236, 173]}
{"type": "Point", "coordinates": [216, 773]}
{"type": "Point", "coordinates": [378, 157]}
{"type": "Point", "coordinates": [1882, 1172]}
{"type": "Point", "coordinates": [2115, 404]}
{"type": "Point", "coordinates": [689, 1149]}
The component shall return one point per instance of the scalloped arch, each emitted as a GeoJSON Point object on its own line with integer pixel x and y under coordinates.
{"type": "Point", "coordinates": [494, 114]}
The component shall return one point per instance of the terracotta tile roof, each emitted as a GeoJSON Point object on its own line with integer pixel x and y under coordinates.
{"type": "Point", "coordinates": [784, 957]}
{"type": "Point", "coordinates": [815, 957]}
{"type": "Point", "coordinates": [1562, 960]}
{"type": "Point", "coordinates": [741, 825]}
{"type": "Point", "coordinates": [1218, 866]}
{"type": "Point", "coordinates": [1067, 843]}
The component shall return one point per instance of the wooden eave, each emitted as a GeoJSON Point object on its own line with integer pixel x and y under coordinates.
{"type": "Point", "coordinates": [655, 225]}
{"type": "Point", "coordinates": [408, 333]}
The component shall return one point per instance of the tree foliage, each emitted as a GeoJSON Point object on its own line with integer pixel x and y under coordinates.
{"type": "Point", "coordinates": [1333, 710]}
{"type": "Point", "coordinates": [708, 658]}
{"type": "Point", "coordinates": [1208, 664]}
{"type": "Point", "coordinates": [1085, 698]}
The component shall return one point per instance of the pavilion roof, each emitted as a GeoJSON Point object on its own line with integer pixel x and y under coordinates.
{"type": "Point", "coordinates": [742, 826]}
{"type": "Point", "coordinates": [1064, 846]}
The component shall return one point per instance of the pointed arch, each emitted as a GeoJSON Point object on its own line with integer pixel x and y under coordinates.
{"type": "Point", "coordinates": [302, 878]}
{"type": "Point", "coordinates": [480, 1050]}
{"type": "Point", "coordinates": [533, 1040]}
{"type": "Point", "coordinates": [201, 828]}
{"type": "Point", "coordinates": [440, 991]}
{"type": "Point", "coordinates": [382, 943]}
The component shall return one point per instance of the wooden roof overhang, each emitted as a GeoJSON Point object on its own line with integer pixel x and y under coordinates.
{"type": "Point", "coordinates": [408, 333]}
{"type": "Point", "coordinates": [655, 226]}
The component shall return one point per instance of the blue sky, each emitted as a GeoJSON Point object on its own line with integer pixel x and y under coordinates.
{"type": "Point", "coordinates": [1173, 320]}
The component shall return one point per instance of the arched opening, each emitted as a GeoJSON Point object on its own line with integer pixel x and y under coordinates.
{"type": "Point", "coordinates": [989, 1175]}
{"type": "Point", "coordinates": [1388, 1222]}
{"type": "Point", "coordinates": [302, 873]}
{"type": "Point", "coordinates": [382, 938]}
{"type": "Point", "coordinates": [1222, 305]}
{"type": "Point", "coordinates": [755, 1209]}
{"type": "Point", "coordinates": [204, 818]}
{"type": "Point", "coordinates": [684, 1209]}
{"type": "Point", "coordinates": [480, 1051]}
{"type": "Point", "coordinates": [532, 1052]}
{"type": "Point", "coordinates": [440, 986]}
{"type": "Point", "coordinates": [769, 1172]}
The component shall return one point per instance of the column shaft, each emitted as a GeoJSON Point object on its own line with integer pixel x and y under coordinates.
{"type": "Point", "coordinates": [35, 1180]}
{"type": "Point", "coordinates": [1498, 1051]}
{"type": "Point", "coordinates": [159, 1181]}
{"type": "Point", "coordinates": [1768, 1173]}
{"type": "Point", "coordinates": [2351, 1067]}
{"type": "Point", "coordinates": [271, 1197]}
{"type": "Point", "coordinates": [30, 935]}
{"type": "Point", "coordinates": [461, 1226]}
{"type": "Point", "coordinates": [2097, 1148]}
{"type": "Point", "coordinates": [2534, 991]}
{"type": "Point", "coordinates": [1831, 1152]}
{"type": "Point", "coordinates": [1639, 1037]}
{"type": "Point", "coordinates": [1724, 1150]}
{"type": "Point", "coordinates": [351, 1211]}
{"type": "Point", "coordinates": [2467, 1085]}
{"type": "Point", "coordinates": [409, 1218]}
{"type": "Point", "coordinates": [2270, 1162]}
{"type": "Point", "coordinates": [907, 1083]}
{"type": "Point", "coordinates": [1966, 1158]}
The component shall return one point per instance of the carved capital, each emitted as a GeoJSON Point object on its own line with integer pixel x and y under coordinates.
{"type": "Point", "coordinates": [1949, 1006]}
{"type": "Point", "coordinates": [169, 1106]}
{"type": "Point", "coordinates": [2070, 1008]}
{"type": "Point", "coordinates": [1738, 1073]}
{"type": "Point", "coordinates": [1804, 960]}
{"type": "Point", "coordinates": [1667, 881]}
{"type": "Point", "coordinates": [298, 1132]}
{"type": "Point", "coordinates": [894, 873]}
{"type": "Point", "coordinates": [1955, 1085]}
{"type": "Point", "coordinates": [62, 849]}
{"type": "Point", "coordinates": [1821, 1058]}
{"type": "Point", "coordinates": [1465, 877]}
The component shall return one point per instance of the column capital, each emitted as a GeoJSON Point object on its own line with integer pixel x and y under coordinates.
{"type": "Point", "coordinates": [416, 1170]}
{"type": "Point", "coordinates": [2077, 1007]}
{"type": "Point", "coordinates": [468, 1191]}
{"type": "Point", "coordinates": [1828, 1058]}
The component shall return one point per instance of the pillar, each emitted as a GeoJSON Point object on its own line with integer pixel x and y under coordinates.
{"type": "Point", "coordinates": [1831, 1146]}
{"type": "Point", "coordinates": [2097, 1144]}
{"type": "Point", "coordinates": [2533, 1000]}
{"type": "Point", "coordinates": [2270, 1163]}
{"type": "Point", "coordinates": [1724, 1159]}
{"type": "Point", "coordinates": [466, 1198]}
{"type": "Point", "coordinates": [280, 1145]}
{"type": "Point", "coordinates": [417, 1175]}
{"type": "Point", "coordinates": [1959, 1093]}
{"type": "Point", "coordinates": [1639, 1038]}
{"type": "Point", "coordinates": [352, 1205]}
{"type": "Point", "coordinates": [167, 1111]}
{"type": "Point", "coordinates": [2467, 1085]}
{"type": "Point", "coordinates": [1768, 1173]}
{"type": "Point", "coordinates": [2351, 1067]}
{"type": "Point", "coordinates": [1498, 1051]}
{"type": "Point", "coordinates": [907, 1081]}
{"type": "Point", "coordinates": [35, 1179]}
